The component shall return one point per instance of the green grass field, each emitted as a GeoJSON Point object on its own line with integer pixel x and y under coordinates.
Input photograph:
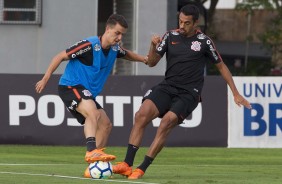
{"type": "Point", "coordinates": [57, 164]}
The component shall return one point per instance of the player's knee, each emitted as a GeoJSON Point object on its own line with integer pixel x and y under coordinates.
{"type": "Point", "coordinates": [168, 123]}
{"type": "Point", "coordinates": [108, 125]}
{"type": "Point", "coordinates": [140, 117]}
{"type": "Point", "coordinates": [94, 116]}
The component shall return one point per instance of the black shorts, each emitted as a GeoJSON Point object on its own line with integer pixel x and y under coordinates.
{"type": "Point", "coordinates": [168, 98]}
{"type": "Point", "coordinates": [72, 95]}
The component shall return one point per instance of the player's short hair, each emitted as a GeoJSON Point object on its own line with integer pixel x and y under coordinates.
{"type": "Point", "coordinates": [191, 10]}
{"type": "Point", "coordinates": [117, 19]}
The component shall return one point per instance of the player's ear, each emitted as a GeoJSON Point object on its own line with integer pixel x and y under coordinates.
{"type": "Point", "coordinates": [196, 23]}
{"type": "Point", "coordinates": [107, 28]}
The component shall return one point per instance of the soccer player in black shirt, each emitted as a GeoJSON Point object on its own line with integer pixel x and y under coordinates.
{"type": "Point", "coordinates": [187, 49]}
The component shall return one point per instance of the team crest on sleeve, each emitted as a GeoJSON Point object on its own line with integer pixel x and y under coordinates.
{"type": "Point", "coordinates": [86, 92]}
{"type": "Point", "coordinates": [196, 46]}
{"type": "Point", "coordinates": [97, 47]}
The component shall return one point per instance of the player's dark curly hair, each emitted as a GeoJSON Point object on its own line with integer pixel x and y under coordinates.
{"type": "Point", "coordinates": [191, 10]}
{"type": "Point", "coordinates": [116, 18]}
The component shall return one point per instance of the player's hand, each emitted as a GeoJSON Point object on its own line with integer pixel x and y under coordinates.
{"type": "Point", "coordinates": [146, 60]}
{"type": "Point", "coordinates": [156, 39]}
{"type": "Point", "coordinates": [40, 85]}
{"type": "Point", "coordinates": [240, 100]}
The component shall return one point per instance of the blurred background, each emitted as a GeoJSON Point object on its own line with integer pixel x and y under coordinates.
{"type": "Point", "coordinates": [247, 33]}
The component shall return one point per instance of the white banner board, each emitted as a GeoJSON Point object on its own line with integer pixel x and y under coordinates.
{"type": "Point", "coordinates": [260, 127]}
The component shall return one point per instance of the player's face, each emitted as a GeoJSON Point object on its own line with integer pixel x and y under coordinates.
{"type": "Point", "coordinates": [115, 33]}
{"type": "Point", "coordinates": [187, 26]}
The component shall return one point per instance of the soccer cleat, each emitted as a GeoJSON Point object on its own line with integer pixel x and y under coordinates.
{"type": "Point", "coordinates": [122, 168]}
{"type": "Point", "coordinates": [136, 174]}
{"type": "Point", "coordinates": [98, 155]}
{"type": "Point", "coordinates": [87, 173]}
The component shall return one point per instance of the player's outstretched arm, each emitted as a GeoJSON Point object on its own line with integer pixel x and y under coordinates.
{"type": "Point", "coordinates": [238, 98]}
{"type": "Point", "coordinates": [153, 56]}
{"type": "Point", "coordinates": [131, 56]}
{"type": "Point", "coordinates": [56, 61]}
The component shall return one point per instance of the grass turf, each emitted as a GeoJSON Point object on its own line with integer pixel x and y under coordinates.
{"type": "Point", "coordinates": [26, 164]}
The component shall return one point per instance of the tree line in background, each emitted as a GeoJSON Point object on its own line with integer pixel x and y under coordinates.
{"type": "Point", "coordinates": [271, 38]}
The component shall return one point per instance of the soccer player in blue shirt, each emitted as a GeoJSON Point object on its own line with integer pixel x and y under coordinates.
{"type": "Point", "coordinates": [90, 62]}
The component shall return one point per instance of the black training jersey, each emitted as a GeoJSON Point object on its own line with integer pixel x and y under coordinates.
{"type": "Point", "coordinates": [186, 58]}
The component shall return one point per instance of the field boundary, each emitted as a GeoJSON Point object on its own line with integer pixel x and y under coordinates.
{"type": "Point", "coordinates": [73, 177]}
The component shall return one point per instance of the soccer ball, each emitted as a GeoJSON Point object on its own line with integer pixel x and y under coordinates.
{"type": "Point", "coordinates": [100, 170]}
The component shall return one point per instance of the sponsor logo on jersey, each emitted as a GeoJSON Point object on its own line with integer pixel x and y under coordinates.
{"type": "Point", "coordinates": [159, 48]}
{"type": "Point", "coordinates": [81, 51]}
{"type": "Point", "coordinates": [201, 36]}
{"type": "Point", "coordinates": [212, 49]}
{"type": "Point", "coordinates": [73, 105]}
{"type": "Point", "coordinates": [174, 43]}
{"type": "Point", "coordinates": [86, 92]}
{"type": "Point", "coordinates": [74, 45]}
{"type": "Point", "coordinates": [148, 92]}
{"type": "Point", "coordinates": [196, 46]}
{"type": "Point", "coordinates": [97, 47]}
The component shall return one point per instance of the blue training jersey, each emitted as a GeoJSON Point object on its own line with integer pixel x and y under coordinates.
{"type": "Point", "coordinates": [89, 65]}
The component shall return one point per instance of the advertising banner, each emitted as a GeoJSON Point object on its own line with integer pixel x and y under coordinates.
{"type": "Point", "coordinates": [260, 127]}
{"type": "Point", "coordinates": [30, 118]}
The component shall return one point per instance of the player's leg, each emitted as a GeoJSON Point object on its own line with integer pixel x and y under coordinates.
{"type": "Point", "coordinates": [88, 109]}
{"type": "Point", "coordinates": [81, 105]}
{"type": "Point", "coordinates": [146, 113]}
{"type": "Point", "coordinates": [155, 101]}
{"type": "Point", "coordinates": [104, 127]}
{"type": "Point", "coordinates": [143, 117]}
{"type": "Point", "coordinates": [168, 122]}
{"type": "Point", "coordinates": [93, 116]}
{"type": "Point", "coordinates": [182, 105]}
{"type": "Point", "coordinates": [103, 130]}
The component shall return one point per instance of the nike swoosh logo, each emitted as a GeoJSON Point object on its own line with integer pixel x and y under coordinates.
{"type": "Point", "coordinates": [174, 43]}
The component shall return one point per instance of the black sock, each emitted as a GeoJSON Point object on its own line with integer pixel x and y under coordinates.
{"type": "Point", "coordinates": [130, 154]}
{"type": "Point", "coordinates": [146, 163]}
{"type": "Point", "coordinates": [90, 143]}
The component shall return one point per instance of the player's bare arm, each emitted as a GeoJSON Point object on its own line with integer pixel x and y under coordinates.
{"type": "Point", "coordinates": [238, 98]}
{"type": "Point", "coordinates": [131, 56]}
{"type": "Point", "coordinates": [153, 57]}
{"type": "Point", "coordinates": [56, 61]}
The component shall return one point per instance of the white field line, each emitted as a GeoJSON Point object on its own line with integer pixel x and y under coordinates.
{"type": "Point", "coordinates": [153, 165]}
{"type": "Point", "coordinates": [31, 164]}
{"type": "Point", "coordinates": [72, 177]}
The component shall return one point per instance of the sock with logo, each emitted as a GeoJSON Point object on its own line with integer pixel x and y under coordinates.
{"type": "Point", "coordinates": [90, 143]}
{"type": "Point", "coordinates": [146, 163]}
{"type": "Point", "coordinates": [130, 154]}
